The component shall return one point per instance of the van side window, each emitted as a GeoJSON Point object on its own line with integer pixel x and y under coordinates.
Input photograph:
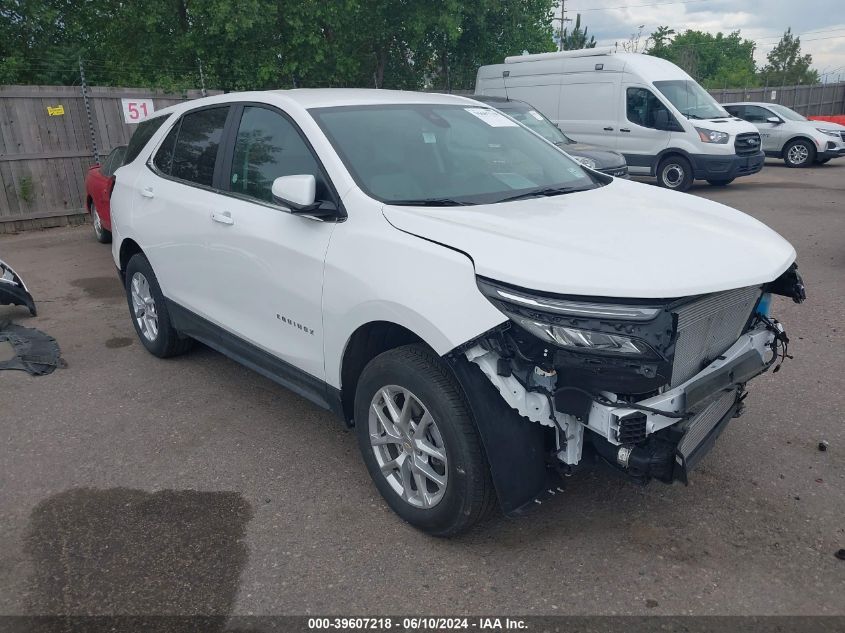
{"type": "Point", "coordinates": [196, 147]}
{"type": "Point", "coordinates": [756, 114]}
{"type": "Point", "coordinates": [642, 105]}
{"type": "Point", "coordinates": [269, 146]}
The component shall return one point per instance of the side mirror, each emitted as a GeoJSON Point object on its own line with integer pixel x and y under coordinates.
{"type": "Point", "coordinates": [666, 122]}
{"type": "Point", "coordinates": [296, 192]}
{"type": "Point", "coordinates": [774, 119]}
{"type": "Point", "coordinates": [299, 193]}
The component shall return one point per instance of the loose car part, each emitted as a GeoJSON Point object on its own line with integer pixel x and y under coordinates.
{"type": "Point", "coordinates": [36, 353]}
{"type": "Point", "coordinates": [13, 290]}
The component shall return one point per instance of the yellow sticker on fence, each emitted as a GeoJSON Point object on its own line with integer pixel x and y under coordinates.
{"type": "Point", "coordinates": [58, 110]}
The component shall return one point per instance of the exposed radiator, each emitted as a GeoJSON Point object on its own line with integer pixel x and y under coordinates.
{"type": "Point", "coordinates": [709, 326]}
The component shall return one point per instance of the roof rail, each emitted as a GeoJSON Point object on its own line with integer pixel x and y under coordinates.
{"type": "Point", "coordinates": [581, 52]}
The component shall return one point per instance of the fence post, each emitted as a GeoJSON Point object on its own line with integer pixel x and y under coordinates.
{"type": "Point", "coordinates": [84, 87]}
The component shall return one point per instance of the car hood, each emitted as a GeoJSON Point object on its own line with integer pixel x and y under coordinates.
{"type": "Point", "coordinates": [604, 157]}
{"type": "Point", "coordinates": [729, 124]}
{"type": "Point", "coordinates": [624, 239]}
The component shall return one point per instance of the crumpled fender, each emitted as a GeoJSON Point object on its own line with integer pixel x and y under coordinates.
{"type": "Point", "coordinates": [13, 290]}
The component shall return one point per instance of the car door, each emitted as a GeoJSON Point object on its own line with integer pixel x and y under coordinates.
{"type": "Point", "coordinates": [177, 205]}
{"type": "Point", "coordinates": [638, 139]}
{"type": "Point", "coordinates": [267, 262]}
{"type": "Point", "coordinates": [770, 133]}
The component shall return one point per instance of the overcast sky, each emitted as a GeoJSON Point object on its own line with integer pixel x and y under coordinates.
{"type": "Point", "coordinates": [820, 23]}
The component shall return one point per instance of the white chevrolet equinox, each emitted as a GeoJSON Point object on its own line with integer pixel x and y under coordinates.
{"type": "Point", "coordinates": [487, 313]}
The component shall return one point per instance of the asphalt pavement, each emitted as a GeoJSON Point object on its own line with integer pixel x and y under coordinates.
{"type": "Point", "coordinates": [134, 485]}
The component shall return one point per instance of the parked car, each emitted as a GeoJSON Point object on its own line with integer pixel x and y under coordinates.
{"type": "Point", "coordinates": [601, 159]}
{"type": "Point", "coordinates": [98, 187]}
{"type": "Point", "coordinates": [482, 309]}
{"type": "Point", "coordinates": [788, 135]}
{"type": "Point", "coordinates": [644, 107]}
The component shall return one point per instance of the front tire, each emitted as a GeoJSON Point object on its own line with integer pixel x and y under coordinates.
{"type": "Point", "coordinates": [799, 153]}
{"type": "Point", "coordinates": [102, 234]}
{"type": "Point", "coordinates": [675, 172]}
{"type": "Point", "coordinates": [419, 442]}
{"type": "Point", "coordinates": [149, 313]}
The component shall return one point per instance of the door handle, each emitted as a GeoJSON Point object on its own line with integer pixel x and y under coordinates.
{"type": "Point", "coordinates": [608, 129]}
{"type": "Point", "coordinates": [148, 192]}
{"type": "Point", "coordinates": [624, 129]}
{"type": "Point", "coordinates": [224, 217]}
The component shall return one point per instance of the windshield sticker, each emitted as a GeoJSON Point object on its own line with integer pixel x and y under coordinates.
{"type": "Point", "coordinates": [536, 115]}
{"type": "Point", "coordinates": [429, 137]}
{"type": "Point", "coordinates": [491, 117]}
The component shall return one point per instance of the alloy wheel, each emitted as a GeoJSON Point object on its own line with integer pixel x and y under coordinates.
{"type": "Point", "coordinates": [798, 154]}
{"type": "Point", "coordinates": [408, 446]}
{"type": "Point", "coordinates": [144, 306]}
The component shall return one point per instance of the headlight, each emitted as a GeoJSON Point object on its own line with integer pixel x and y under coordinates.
{"type": "Point", "coordinates": [587, 162]}
{"type": "Point", "coordinates": [584, 340]}
{"type": "Point", "coordinates": [712, 136]}
{"type": "Point", "coordinates": [828, 132]}
{"type": "Point", "coordinates": [555, 321]}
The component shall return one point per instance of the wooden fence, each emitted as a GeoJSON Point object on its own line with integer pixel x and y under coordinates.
{"type": "Point", "coordinates": [44, 158]}
{"type": "Point", "coordinates": [812, 100]}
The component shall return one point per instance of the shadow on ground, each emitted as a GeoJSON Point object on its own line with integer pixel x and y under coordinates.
{"type": "Point", "coordinates": [129, 552]}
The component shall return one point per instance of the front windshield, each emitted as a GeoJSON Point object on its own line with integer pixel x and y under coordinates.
{"type": "Point", "coordinates": [691, 100]}
{"type": "Point", "coordinates": [786, 113]}
{"type": "Point", "coordinates": [445, 154]}
{"type": "Point", "coordinates": [532, 119]}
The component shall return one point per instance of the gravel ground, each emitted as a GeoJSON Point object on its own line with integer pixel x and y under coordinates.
{"type": "Point", "coordinates": [134, 485]}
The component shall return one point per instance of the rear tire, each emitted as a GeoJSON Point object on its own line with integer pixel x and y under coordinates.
{"type": "Point", "coordinates": [721, 183]}
{"type": "Point", "coordinates": [412, 421]}
{"type": "Point", "coordinates": [675, 172]}
{"type": "Point", "coordinates": [799, 153]}
{"type": "Point", "coordinates": [102, 234]}
{"type": "Point", "coordinates": [148, 310]}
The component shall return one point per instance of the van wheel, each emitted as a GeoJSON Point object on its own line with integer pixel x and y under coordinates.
{"type": "Point", "coordinates": [419, 442]}
{"type": "Point", "coordinates": [149, 311]}
{"type": "Point", "coordinates": [675, 172]}
{"type": "Point", "coordinates": [799, 153]}
{"type": "Point", "coordinates": [102, 234]}
{"type": "Point", "coordinates": [721, 183]}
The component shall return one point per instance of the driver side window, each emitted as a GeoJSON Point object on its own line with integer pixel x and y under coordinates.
{"type": "Point", "coordinates": [269, 146]}
{"type": "Point", "coordinates": [641, 106]}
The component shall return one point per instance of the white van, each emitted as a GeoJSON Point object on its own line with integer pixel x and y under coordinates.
{"type": "Point", "coordinates": [646, 108]}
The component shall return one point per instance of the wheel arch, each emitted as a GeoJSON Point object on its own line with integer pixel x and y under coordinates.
{"type": "Point", "coordinates": [670, 151]}
{"type": "Point", "coordinates": [800, 137]}
{"type": "Point", "coordinates": [128, 249]}
{"type": "Point", "coordinates": [365, 343]}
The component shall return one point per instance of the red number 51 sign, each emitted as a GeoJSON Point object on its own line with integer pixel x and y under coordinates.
{"type": "Point", "coordinates": [136, 110]}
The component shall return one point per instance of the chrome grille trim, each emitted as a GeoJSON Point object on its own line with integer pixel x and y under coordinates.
{"type": "Point", "coordinates": [709, 326]}
{"type": "Point", "coordinates": [703, 422]}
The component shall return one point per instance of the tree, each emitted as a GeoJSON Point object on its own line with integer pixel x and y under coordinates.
{"type": "Point", "coordinates": [715, 61]}
{"type": "Point", "coordinates": [787, 65]}
{"type": "Point", "coordinates": [577, 39]}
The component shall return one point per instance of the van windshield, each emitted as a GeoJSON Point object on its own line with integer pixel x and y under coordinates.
{"type": "Point", "coordinates": [446, 155]}
{"type": "Point", "coordinates": [691, 100]}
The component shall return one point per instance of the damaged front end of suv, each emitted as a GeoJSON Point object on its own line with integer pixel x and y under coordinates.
{"type": "Point", "coordinates": [645, 385]}
{"type": "Point", "coordinates": [13, 290]}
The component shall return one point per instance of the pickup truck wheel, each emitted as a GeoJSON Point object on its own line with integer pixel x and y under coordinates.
{"type": "Point", "coordinates": [721, 183]}
{"type": "Point", "coordinates": [149, 311]}
{"type": "Point", "coordinates": [419, 442]}
{"type": "Point", "coordinates": [675, 172]}
{"type": "Point", "coordinates": [799, 153]}
{"type": "Point", "coordinates": [102, 234]}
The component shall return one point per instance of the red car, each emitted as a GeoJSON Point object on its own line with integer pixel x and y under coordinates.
{"type": "Point", "coordinates": [98, 186]}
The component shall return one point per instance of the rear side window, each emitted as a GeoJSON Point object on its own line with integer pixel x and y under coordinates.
{"type": "Point", "coordinates": [163, 159]}
{"type": "Point", "coordinates": [734, 110]}
{"type": "Point", "coordinates": [195, 151]}
{"type": "Point", "coordinates": [142, 135]}
{"type": "Point", "coordinates": [756, 114]}
{"type": "Point", "coordinates": [269, 146]}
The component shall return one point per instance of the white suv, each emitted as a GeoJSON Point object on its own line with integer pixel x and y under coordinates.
{"type": "Point", "coordinates": [786, 134]}
{"type": "Point", "coordinates": [485, 311]}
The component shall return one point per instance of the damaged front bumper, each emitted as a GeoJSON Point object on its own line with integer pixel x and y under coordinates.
{"type": "Point", "coordinates": [13, 290]}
